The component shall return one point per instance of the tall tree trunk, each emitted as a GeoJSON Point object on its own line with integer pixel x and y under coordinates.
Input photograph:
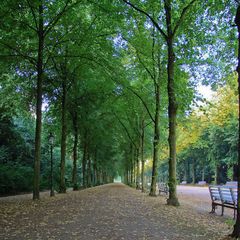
{"type": "Point", "coordinates": [172, 108]}
{"type": "Point", "coordinates": [156, 142]}
{"type": "Point", "coordinates": [137, 169]}
{"type": "Point", "coordinates": [131, 175]}
{"type": "Point", "coordinates": [236, 230]}
{"type": "Point", "coordinates": [193, 172]}
{"type": "Point", "coordinates": [64, 135]}
{"type": "Point", "coordinates": [203, 173]}
{"type": "Point", "coordinates": [104, 177]}
{"type": "Point", "coordinates": [94, 180]}
{"type": "Point", "coordinates": [38, 130]}
{"type": "Point", "coordinates": [126, 168]}
{"type": "Point", "coordinates": [142, 156]}
{"type": "Point", "coordinates": [98, 176]}
{"type": "Point", "coordinates": [75, 147]}
{"type": "Point", "coordinates": [132, 165]}
{"type": "Point", "coordinates": [89, 177]}
{"type": "Point", "coordinates": [101, 176]}
{"type": "Point", "coordinates": [216, 172]}
{"type": "Point", "coordinates": [84, 161]}
{"type": "Point", "coordinates": [185, 171]}
{"type": "Point", "coordinates": [126, 177]}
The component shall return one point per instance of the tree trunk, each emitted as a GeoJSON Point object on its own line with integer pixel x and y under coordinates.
{"type": "Point", "coordinates": [203, 174]}
{"type": "Point", "coordinates": [75, 145]}
{"type": "Point", "coordinates": [156, 142]}
{"type": "Point", "coordinates": [132, 166]}
{"type": "Point", "coordinates": [126, 177]}
{"type": "Point", "coordinates": [38, 130]}
{"type": "Point", "coordinates": [94, 180]}
{"type": "Point", "coordinates": [97, 175]}
{"type": "Point", "coordinates": [193, 172]}
{"type": "Point", "coordinates": [172, 109]}
{"type": "Point", "coordinates": [104, 178]}
{"type": "Point", "coordinates": [185, 171]}
{"type": "Point", "coordinates": [236, 230]}
{"type": "Point", "coordinates": [84, 161]}
{"type": "Point", "coordinates": [131, 175]}
{"type": "Point", "coordinates": [126, 166]}
{"type": "Point", "coordinates": [101, 177]}
{"type": "Point", "coordinates": [216, 173]}
{"type": "Point", "coordinates": [64, 136]}
{"type": "Point", "coordinates": [138, 170]}
{"type": "Point", "coordinates": [142, 156]}
{"type": "Point", "coordinates": [89, 177]}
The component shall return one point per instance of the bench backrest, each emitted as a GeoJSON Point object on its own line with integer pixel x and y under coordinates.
{"type": "Point", "coordinates": [163, 186]}
{"type": "Point", "coordinates": [232, 183]}
{"type": "Point", "coordinates": [234, 192]}
{"type": "Point", "coordinates": [214, 193]}
{"type": "Point", "coordinates": [226, 195]}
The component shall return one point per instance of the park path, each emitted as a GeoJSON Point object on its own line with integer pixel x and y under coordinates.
{"type": "Point", "coordinates": [112, 211]}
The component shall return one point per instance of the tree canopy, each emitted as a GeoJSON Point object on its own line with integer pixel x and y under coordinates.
{"type": "Point", "coordinates": [116, 82]}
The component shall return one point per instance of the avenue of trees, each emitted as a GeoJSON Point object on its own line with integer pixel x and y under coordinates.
{"type": "Point", "coordinates": [115, 82]}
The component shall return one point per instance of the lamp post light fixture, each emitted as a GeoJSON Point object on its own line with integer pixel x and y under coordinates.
{"type": "Point", "coordinates": [51, 142]}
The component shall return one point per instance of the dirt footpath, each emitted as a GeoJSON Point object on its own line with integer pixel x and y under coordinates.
{"type": "Point", "coordinates": [112, 211]}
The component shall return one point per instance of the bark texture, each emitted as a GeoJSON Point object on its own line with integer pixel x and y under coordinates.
{"type": "Point", "coordinates": [38, 130]}
{"type": "Point", "coordinates": [142, 156]}
{"type": "Point", "coordinates": [156, 142]}
{"type": "Point", "coordinates": [193, 172]}
{"type": "Point", "coordinates": [138, 170]}
{"type": "Point", "coordinates": [172, 108]}
{"type": "Point", "coordinates": [89, 177]}
{"type": "Point", "coordinates": [84, 161]}
{"type": "Point", "coordinates": [62, 187]}
{"type": "Point", "coordinates": [75, 147]}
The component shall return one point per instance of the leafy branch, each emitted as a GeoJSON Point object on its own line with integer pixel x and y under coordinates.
{"type": "Point", "coordinates": [126, 130]}
{"type": "Point", "coordinates": [149, 16]}
{"type": "Point", "coordinates": [180, 20]}
{"type": "Point", "coordinates": [143, 102]}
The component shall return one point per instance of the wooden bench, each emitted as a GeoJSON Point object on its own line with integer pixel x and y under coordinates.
{"type": "Point", "coordinates": [163, 188]}
{"type": "Point", "coordinates": [202, 183]}
{"type": "Point", "coordinates": [183, 183]}
{"type": "Point", "coordinates": [223, 196]}
{"type": "Point", "coordinates": [232, 184]}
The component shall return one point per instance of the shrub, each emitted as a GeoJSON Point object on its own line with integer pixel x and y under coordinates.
{"type": "Point", "coordinates": [15, 179]}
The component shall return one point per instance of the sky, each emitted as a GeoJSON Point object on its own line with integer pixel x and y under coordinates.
{"type": "Point", "coordinates": [205, 91]}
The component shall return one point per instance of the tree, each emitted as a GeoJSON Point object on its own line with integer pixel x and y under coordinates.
{"type": "Point", "coordinates": [44, 19]}
{"type": "Point", "coordinates": [169, 36]}
{"type": "Point", "coordinates": [236, 230]}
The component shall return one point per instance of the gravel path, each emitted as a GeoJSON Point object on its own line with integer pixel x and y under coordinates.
{"type": "Point", "coordinates": [112, 211]}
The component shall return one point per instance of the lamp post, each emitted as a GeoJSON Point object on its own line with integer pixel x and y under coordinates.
{"type": "Point", "coordinates": [51, 141]}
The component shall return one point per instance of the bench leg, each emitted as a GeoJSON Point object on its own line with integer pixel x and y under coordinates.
{"type": "Point", "coordinates": [213, 208]}
{"type": "Point", "coordinates": [222, 210]}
